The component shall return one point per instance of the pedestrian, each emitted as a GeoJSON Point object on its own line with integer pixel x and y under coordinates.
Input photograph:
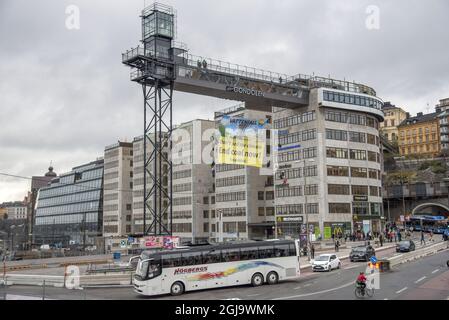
{"type": "Point", "coordinates": [395, 236]}
{"type": "Point", "coordinates": [381, 240]}
{"type": "Point", "coordinates": [337, 244]}
{"type": "Point", "coordinates": [312, 251]}
{"type": "Point", "coordinates": [422, 238]}
{"type": "Point", "coordinates": [431, 236]}
{"type": "Point", "coordinates": [399, 236]}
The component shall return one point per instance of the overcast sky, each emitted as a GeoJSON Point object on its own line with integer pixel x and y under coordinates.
{"type": "Point", "coordinates": [64, 94]}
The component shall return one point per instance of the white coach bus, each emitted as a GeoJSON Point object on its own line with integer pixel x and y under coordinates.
{"type": "Point", "coordinates": [213, 266]}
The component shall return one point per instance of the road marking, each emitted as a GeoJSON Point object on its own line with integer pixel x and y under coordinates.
{"type": "Point", "coordinates": [296, 288]}
{"type": "Point", "coordinates": [253, 295]}
{"type": "Point", "coordinates": [435, 271]}
{"type": "Point", "coordinates": [402, 290]}
{"type": "Point", "coordinates": [420, 279]}
{"type": "Point", "coordinates": [386, 299]}
{"type": "Point", "coordinates": [318, 292]}
{"type": "Point", "coordinates": [352, 267]}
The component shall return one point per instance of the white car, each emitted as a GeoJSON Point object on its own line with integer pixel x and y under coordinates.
{"type": "Point", "coordinates": [326, 262]}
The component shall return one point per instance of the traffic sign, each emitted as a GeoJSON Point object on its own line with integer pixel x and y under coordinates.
{"type": "Point", "coordinates": [123, 243]}
{"type": "Point", "coordinates": [373, 259]}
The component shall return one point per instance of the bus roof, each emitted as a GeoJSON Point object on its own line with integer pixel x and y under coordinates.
{"type": "Point", "coordinates": [213, 247]}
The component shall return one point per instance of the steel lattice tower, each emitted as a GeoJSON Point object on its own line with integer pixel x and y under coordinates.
{"type": "Point", "coordinates": [153, 66]}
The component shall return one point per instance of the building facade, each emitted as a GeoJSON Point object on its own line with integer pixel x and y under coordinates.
{"type": "Point", "coordinates": [69, 211]}
{"type": "Point", "coordinates": [443, 118]}
{"type": "Point", "coordinates": [244, 195]}
{"type": "Point", "coordinates": [118, 187]}
{"type": "Point", "coordinates": [16, 210]}
{"type": "Point", "coordinates": [420, 135]}
{"type": "Point", "coordinates": [394, 116]}
{"type": "Point", "coordinates": [328, 171]}
{"type": "Point", "coordinates": [192, 157]}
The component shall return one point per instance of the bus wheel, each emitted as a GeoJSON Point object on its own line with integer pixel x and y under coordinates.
{"type": "Point", "coordinates": [257, 280]}
{"type": "Point", "coordinates": [272, 277]}
{"type": "Point", "coordinates": [177, 289]}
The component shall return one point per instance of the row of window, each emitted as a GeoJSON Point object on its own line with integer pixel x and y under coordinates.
{"type": "Point", "coordinates": [66, 209]}
{"type": "Point", "coordinates": [353, 154]}
{"type": "Point", "coordinates": [284, 192]}
{"type": "Point", "coordinates": [353, 99]}
{"type": "Point", "coordinates": [54, 191]}
{"type": "Point", "coordinates": [230, 181]}
{"type": "Point", "coordinates": [232, 196]}
{"type": "Point", "coordinates": [360, 137]}
{"type": "Point", "coordinates": [67, 218]}
{"type": "Point", "coordinates": [228, 167]}
{"type": "Point", "coordinates": [182, 174]}
{"type": "Point", "coordinates": [268, 211]}
{"type": "Point", "coordinates": [351, 118]}
{"type": "Point", "coordinates": [306, 153]}
{"type": "Point", "coordinates": [341, 171]}
{"type": "Point", "coordinates": [269, 195]}
{"type": "Point", "coordinates": [344, 189]}
{"type": "Point", "coordinates": [72, 198]}
{"type": "Point", "coordinates": [182, 201]}
{"type": "Point", "coordinates": [304, 135]}
{"type": "Point", "coordinates": [186, 214]}
{"type": "Point", "coordinates": [182, 187]}
{"type": "Point", "coordinates": [294, 120]}
{"type": "Point", "coordinates": [309, 171]}
{"type": "Point", "coordinates": [227, 255]}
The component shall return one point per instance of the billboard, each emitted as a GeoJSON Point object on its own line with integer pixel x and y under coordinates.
{"type": "Point", "coordinates": [162, 242]}
{"type": "Point", "coordinates": [240, 141]}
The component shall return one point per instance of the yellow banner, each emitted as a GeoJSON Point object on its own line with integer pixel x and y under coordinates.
{"type": "Point", "coordinates": [242, 150]}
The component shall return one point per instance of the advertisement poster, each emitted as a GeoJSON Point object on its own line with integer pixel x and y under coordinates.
{"type": "Point", "coordinates": [241, 141]}
{"type": "Point", "coordinates": [162, 242]}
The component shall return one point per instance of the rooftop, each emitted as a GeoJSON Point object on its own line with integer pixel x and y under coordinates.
{"type": "Point", "coordinates": [419, 118]}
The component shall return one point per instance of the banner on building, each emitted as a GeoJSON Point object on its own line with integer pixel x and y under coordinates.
{"type": "Point", "coordinates": [241, 141]}
{"type": "Point", "coordinates": [162, 242]}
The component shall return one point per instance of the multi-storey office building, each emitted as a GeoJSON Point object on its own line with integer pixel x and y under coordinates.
{"type": "Point", "coordinates": [244, 199]}
{"type": "Point", "coordinates": [70, 209]}
{"type": "Point", "coordinates": [118, 186]}
{"type": "Point", "coordinates": [394, 116]}
{"type": "Point", "coordinates": [420, 135]}
{"type": "Point", "coordinates": [328, 171]}
{"type": "Point", "coordinates": [192, 158]}
{"type": "Point", "coordinates": [443, 119]}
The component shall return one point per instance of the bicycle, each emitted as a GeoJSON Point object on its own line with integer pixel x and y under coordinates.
{"type": "Point", "coordinates": [362, 291]}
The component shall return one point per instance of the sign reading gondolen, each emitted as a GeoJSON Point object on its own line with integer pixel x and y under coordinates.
{"type": "Point", "coordinates": [241, 141]}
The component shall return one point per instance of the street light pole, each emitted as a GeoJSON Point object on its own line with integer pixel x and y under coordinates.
{"type": "Point", "coordinates": [305, 208]}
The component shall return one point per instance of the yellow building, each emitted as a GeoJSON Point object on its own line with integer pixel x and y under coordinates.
{"type": "Point", "coordinates": [3, 211]}
{"type": "Point", "coordinates": [394, 116]}
{"type": "Point", "coordinates": [420, 135]}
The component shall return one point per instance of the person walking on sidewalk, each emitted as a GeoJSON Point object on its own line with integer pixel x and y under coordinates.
{"type": "Point", "coordinates": [431, 236]}
{"type": "Point", "coordinates": [422, 238]}
{"type": "Point", "coordinates": [337, 244]}
{"type": "Point", "coordinates": [312, 251]}
{"type": "Point", "coordinates": [381, 240]}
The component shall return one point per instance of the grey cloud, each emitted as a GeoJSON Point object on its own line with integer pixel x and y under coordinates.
{"type": "Point", "coordinates": [64, 94]}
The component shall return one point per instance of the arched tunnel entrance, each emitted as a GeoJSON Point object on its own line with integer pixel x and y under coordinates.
{"type": "Point", "coordinates": [431, 208]}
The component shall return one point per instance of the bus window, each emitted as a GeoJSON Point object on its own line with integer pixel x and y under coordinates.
{"type": "Point", "coordinates": [230, 254]}
{"type": "Point", "coordinates": [171, 260]}
{"type": "Point", "coordinates": [292, 249]}
{"type": "Point", "coordinates": [281, 250]}
{"type": "Point", "coordinates": [213, 256]}
{"type": "Point", "coordinates": [266, 252]}
{"type": "Point", "coordinates": [192, 258]}
{"type": "Point", "coordinates": [248, 253]}
{"type": "Point", "coordinates": [154, 269]}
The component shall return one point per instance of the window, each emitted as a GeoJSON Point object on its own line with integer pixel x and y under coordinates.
{"type": "Point", "coordinates": [206, 214]}
{"type": "Point", "coordinates": [260, 195]}
{"type": "Point", "coordinates": [339, 208]}
{"type": "Point", "coordinates": [312, 208]}
{"type": "Point", "coordinates": [360, 208]}
{"type": "Point", "coordinates": [359, 190]}
{"type": "Point", "coordinates": [309, 135]}
{"type": "Point", "coordinates": [206, 200]}
{"type": "Point", "coordinates": [373, 173]}
{"type": "Point", "coordinates": [359, 172]}
{"type": "Point", "coordinates": [128, 206]}
{"type": "Point", "coordinates": [336, 116]}
{"type": "Point", "coordinates": [289, 192]}
{"type": "Point", "coordinates": [309, 153]}
{"type": "Point", "coordinates": [206, 227]}
{"type": "Point", "coordinates": [269, 195]}
{"type": "Point", "coordinates": [357, 137]}
{"type": "Point", "coordinates": [337, 171]}
{"type": "Point", "coordinates": [372, 156]}
{"type": "Point", "coordinates": [371, 139]}
{"type": "Point", "coordinates": [311, 189]}
{"type": "Point", "coordinates": [357, 154]}
{"type": "Point", "coordinates": [341, 189]}
{"type": "Point", "coordinates": [336, 135]}
{"type": "Point", "coordinates": [261, 211]}
{"type": "Point", "coordinates": [337, 153]}
{"type": "Point", "coordinates": [374, 191]}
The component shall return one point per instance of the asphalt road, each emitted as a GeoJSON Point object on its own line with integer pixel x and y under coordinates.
{"type": "Point", "coordinates": [427, 278]}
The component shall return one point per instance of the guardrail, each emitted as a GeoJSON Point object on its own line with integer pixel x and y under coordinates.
{"type": "Point", "coordinates": [420, 253]}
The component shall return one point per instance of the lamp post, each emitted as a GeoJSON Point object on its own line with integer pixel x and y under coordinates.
{"type": "Point", "coordinates": [305, 205]}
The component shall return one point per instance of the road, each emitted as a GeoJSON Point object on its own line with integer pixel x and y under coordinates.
{"type": "Point", "coordinates": [426, 278]}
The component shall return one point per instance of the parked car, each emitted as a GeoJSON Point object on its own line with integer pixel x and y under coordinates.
{"type": "Point", "coordinates": [45, 247]}
{"type": "Point", "coordinates": [405, 246]}
{"type": "Point", "coordinates": [362, 253]}
{"type": "Point", "coordinates": [326, 262]}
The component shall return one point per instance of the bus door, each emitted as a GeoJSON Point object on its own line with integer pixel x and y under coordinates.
{"type": "Point", "coordinates": [215, 277]}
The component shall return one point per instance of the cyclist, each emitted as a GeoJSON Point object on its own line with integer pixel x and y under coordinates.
{"type": "Point", "coordinates": [361, 281]}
